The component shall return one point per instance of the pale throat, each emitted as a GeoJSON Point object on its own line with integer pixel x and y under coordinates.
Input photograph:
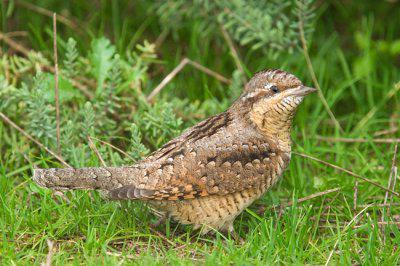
{"type": "Point", "coordinates": [275, 122]}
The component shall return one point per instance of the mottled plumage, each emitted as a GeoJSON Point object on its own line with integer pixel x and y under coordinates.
{"type": "Point", "coordinates": [215, 169]}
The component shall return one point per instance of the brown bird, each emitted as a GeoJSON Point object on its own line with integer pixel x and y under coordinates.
{"type": "Point", "coordinates": [215, 169]}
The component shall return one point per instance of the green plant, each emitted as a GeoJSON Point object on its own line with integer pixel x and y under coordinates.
{"type": "Point", "coordinates": [271, 26]}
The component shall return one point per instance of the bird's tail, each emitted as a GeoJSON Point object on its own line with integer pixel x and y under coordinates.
{"type": "Point", "coordinates": [103, 178]}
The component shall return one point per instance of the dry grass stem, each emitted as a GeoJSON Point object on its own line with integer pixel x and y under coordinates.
{"type": "Point", "coordinates": [313, 196]}
{"type": "Point", "coordinates": [96, 151]}
{"type": "Point", "coordinates": [23, 132]}
{"type": "Point", "coordinates": [21, 49]}
{"type": "Point", "coordinates": [56, 92]}
{"type": "Point", "coordinates": [42, 11]}
{"type": "Point", "coordinates": [347, 171]}
{"type": "Point", "coordinates": [355, 197]}
{"type": "Point", "coordinates": [345, 228]}
{"type": "Point", "coordinates": [49, 256]}
{"type": "Point", "coordinates": [178, 69]}
{"type": "Point", "coordinates": [163, 237]}
{"type": "Point", "coordinates": [341, 208]}
{"type": "Point", "coordinates": [114, 147]}
{"type": "Point", "coordinates": [379, 205]}
{"type": "Point", "coordinates": [161, 38]}
{"type": "Point", "coordinates": [19, 33]}
{"type": "Point", "coordinates": [167, 79]}
{"type": "Point", "coordinates": [13, 44]}
{"type": "Point", "coordinates": [341, 226]}
{"type": "Point", "coordinates": [313, 76]}
{"type": "Point", "coordinates": [358, 140]}
{"type": "Point", "coordinates": [209, 72]}
{"type": "Point", "coordinates": [233, 50]}
{"type": "Point", "coordinates": [391, 184]}
{"type": "Point", "coordinates": [290, 203]}
{"type": "Point", "coordinates": [380, 224]}
{"type": "Point", "coordinates": [391, 130]}
{"type": "Point", "coordinates": [119, 255]}
{"type": "Point", "coordinates": [374, 109]}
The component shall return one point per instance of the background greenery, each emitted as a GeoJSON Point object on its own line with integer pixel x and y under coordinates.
{"type": "Point", "coordinates": [119, 51]}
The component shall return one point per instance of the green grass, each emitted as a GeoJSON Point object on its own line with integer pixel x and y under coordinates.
{"type": "Point", "coordinates": [356, 59]}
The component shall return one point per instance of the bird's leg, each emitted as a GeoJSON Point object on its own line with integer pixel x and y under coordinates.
{"type": "Point", "coordinates": [160, 220]}
{"type": "Point", "coordinates": [230, 230]}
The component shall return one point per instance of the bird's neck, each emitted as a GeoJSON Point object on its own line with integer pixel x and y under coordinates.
{"type": "Point", "coordinates": [275, 124]}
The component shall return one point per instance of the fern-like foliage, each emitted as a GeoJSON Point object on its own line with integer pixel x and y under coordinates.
{"type": "Point", "coordinates": [88, 120]}
{"type": "Point", "coordinates": [259, 24]}
{"type": "Point", "coordinates": [136, 148]}
{"type": "Point", "coordinates": [30, 102]}
{"type": "Point", "coordinates": [114, 79]}
{"type": "Point", "coordinates": [107, 102]}
{"type": "Point", "coordinates": [40, 113]}
{"type": "Point", "coordinates": [6, 90]}
{"type": "Point", "coordinates": [101, 60]}
{"type": "Point", "coordinates": [306, 13]}
{"type": "Point", "coordinates": [71, 59]}
{"type": "Point", "coordinates": [139, 61]}
{"type": "Point", "coordinates": [160, 123]}
{"type": "Point", "coordinates": [69, 137]}
{"type": "Point", "coordinates": [236, 86]}
{"type": "Point", "coordinates": [16, 66]}
{"type": "Point", "coordinates": [271, 26]}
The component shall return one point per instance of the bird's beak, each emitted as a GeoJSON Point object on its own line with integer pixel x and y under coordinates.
{"type": "Point", "coordinates": [303, 91]}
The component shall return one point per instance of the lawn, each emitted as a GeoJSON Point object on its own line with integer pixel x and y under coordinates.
{"type": "Point", "coordinates": [337, 203]}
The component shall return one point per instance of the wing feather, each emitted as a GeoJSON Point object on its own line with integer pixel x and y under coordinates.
{"type": "Point", "coordinates": [206, 160]}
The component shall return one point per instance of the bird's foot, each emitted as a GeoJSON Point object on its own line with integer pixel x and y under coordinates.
{"type": "Point", "coordinates": [236, 237]}
{"type": "Point", "coordinates": [160, 220]}
{"type": "Point", "coordinates": [232, 233]}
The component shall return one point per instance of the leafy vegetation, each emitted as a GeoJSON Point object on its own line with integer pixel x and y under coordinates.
{"type": "Point", "coordinates": [112, 54]}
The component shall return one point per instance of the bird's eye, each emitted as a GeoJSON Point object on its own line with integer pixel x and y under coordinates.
{"type": "Point", "coordinates": [274, 89]}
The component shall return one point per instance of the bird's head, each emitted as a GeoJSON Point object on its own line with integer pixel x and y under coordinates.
{"type": "Point", "coordinates": [271, 98]}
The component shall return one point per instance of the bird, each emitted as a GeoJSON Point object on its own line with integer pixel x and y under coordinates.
{"type": "Point", "coordinates": [215, 169]}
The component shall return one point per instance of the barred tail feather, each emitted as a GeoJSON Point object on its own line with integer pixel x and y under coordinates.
{"type": "Point", "coordinates": [83, 178]}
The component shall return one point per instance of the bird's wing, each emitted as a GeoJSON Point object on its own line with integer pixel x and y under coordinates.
{"type": "Point", "coordinates": [215, 157]}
